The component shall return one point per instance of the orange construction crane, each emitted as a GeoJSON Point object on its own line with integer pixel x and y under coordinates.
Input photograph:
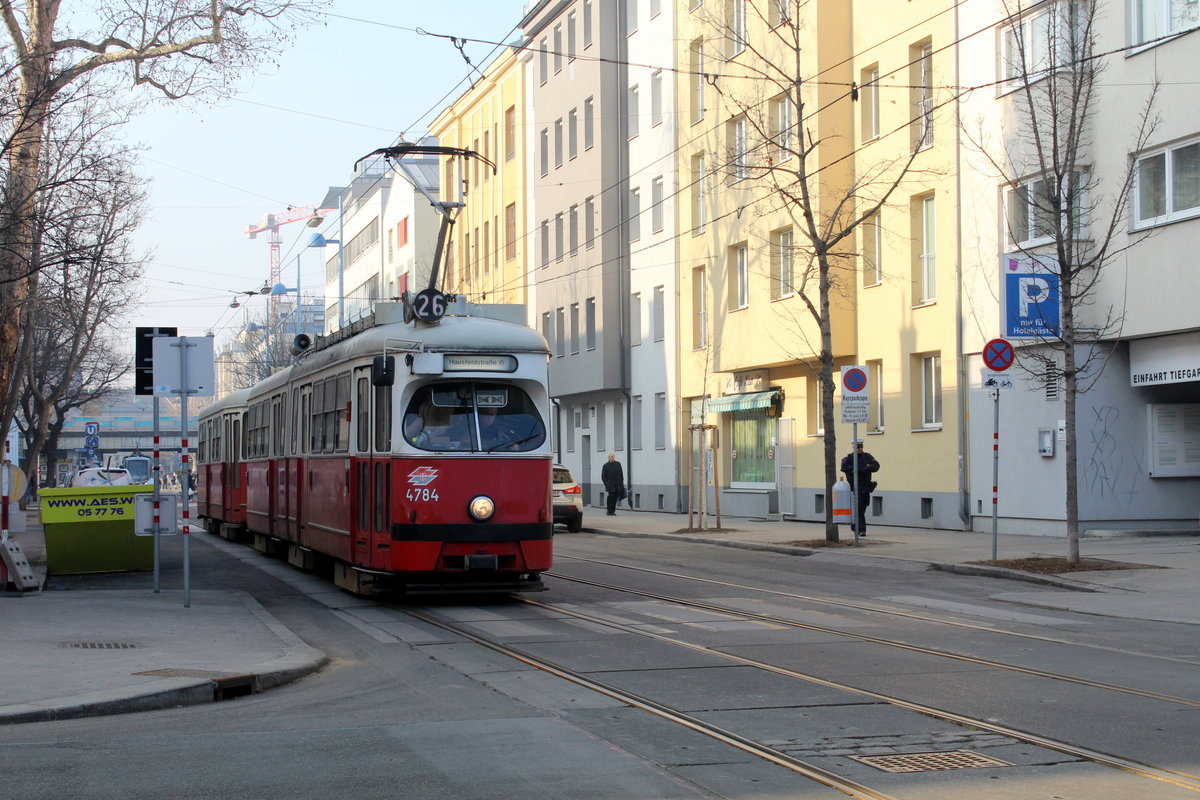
{"type": "Point", "coordinates": [271, 223]}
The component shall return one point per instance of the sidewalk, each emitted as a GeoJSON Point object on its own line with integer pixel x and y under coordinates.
{"type": "Point", "coordinates": [83, 653]}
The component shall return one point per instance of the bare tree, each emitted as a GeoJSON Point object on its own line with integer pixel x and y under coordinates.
{"type": "Point", "coordinates": [177, 48]}
{"type": "Point", "coordinates": [1061, 215]}
{"type": "Point", "coordinates": [87, 269]}
{"type": "Point", "coordinates": [806, 175]}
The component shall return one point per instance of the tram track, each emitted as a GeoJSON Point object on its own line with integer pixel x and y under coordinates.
{"type": "Point", "coordinates": [773, 755]}
{"type": "Point", "coordinates": [919, 649]}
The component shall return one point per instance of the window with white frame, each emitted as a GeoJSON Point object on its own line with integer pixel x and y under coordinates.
{"type": "Point", "coordinates": [656, 99]}
{"type": "Point", "coordinates": [1030, 207]}
{"type": "Point", "coordinates": [735, 21]}
{"type": "Point", "coordinates": [875, 410]}
{"type": "Point", "coordinates": [783, 113]}
{"type": "Point", "coordinates": [782, 260]}
{"type": "Point", "coordinates": [1154, 19]}
{"type": "Point", "coordinates": [696, 55]}
{"type": "Point", "coordinates": [872, 252]}
{"type": "Point", "coordinates": [930, 411]}
{"type": "Point", "coordinates": [656, 204]}
{"type": "Point", "coordinates": [633, 111]}
{"type": "Point", "coordinates": [699, 191]}
{"type": "Point", "coordinates": [751, 435]}
{"type": "Point", "coordinates": [921, 83]}
{"type": "Point", "coordinates": [925, 262]}
{"type": "Point", "coordinates": [699, 309]}
{"type": "Point", "coordinates": [1167, 186]}
{"type": "Point", "coordinates": [739, 146]}
{"type": "Point", "coordinates": [1047, 38]}
{"type": "Point", "coordinates": [777, 12]}
{"type": "Point", "coordinates": [739, 277]}
{"type": "Point", "coordinates": [635, 214]}
{"type": "Point", "coordinates": [868, 98]}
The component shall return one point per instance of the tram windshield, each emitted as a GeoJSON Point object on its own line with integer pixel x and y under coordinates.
{"type": "Point", "coordinates": [473, 417]}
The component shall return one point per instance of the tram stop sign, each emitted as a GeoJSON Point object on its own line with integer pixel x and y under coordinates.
{"type": "Point", "coordinates": [856, 402]}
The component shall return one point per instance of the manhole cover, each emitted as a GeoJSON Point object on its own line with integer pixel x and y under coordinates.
{"type": "Point", "coordinates": [100, 645]}
{"type": "Point", "coordinates": [927, 762]}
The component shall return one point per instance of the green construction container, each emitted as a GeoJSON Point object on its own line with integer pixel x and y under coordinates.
{"type": "Point", "coordinates": [91, 529]}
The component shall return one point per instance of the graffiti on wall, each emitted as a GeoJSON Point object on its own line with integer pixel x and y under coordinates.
{"type": "Point", "coordinates": [1111, 472]}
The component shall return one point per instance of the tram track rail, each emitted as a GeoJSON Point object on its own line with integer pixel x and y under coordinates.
{"type": "Point", "coordinates": [746, 745]}
{"type": "Point", "coordinates": [919, 649]}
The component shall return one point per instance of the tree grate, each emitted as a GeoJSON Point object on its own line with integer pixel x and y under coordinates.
{"type": "Point", "coordinates": [100, 645]}
{"type": "Point", "coordinates": [928, 762]}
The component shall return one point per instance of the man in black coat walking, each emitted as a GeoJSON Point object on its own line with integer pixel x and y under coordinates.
{"type": "Point", "coordinates": [613, 478]}
{"type": "Point", "coordinates": [867, 465]}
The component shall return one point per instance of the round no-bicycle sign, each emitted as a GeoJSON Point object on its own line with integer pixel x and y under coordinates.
{"type": "Point", "coordinates": [854, 380]}
{"type": "Point", "coordinates": [998, 355]}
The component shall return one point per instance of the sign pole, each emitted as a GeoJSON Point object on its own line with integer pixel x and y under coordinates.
{"type": "Point", "coordinates": [155, 471]}
{"type": "Point", "coordinates": [998, 356]}
{"type": "Point", "coordinates": [995, 467]}
{"type": "Point", "coordinates": [857, 524]}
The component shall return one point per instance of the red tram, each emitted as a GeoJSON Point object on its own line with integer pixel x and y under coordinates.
{"type": "Point", "coordinates": [411, 457]}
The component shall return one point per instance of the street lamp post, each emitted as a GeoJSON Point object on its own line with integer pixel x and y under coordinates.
{"type": "Point", "coordinates": [280, 289]}
{"type": "Point", "coordinates": [319, 240]}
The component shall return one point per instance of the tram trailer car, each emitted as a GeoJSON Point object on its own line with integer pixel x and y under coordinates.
{"type": "Point", "coordinates": [220, 470]}
{"type": "Point", "coordinates": [411, 457]}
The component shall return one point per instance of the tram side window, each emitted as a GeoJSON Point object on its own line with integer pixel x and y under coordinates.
{"type": "Point", "coordinates": [202, 446]}
{"type": "Point", "coordinates": [277, 409]}
{"type": "Point", "coordinates": [383, 419]}
{"type": "Point", "coordinates": [341, 414]}
{"type": "Point", "coordinates": [362, 399]}
{"type": "Point", "coordinates": [216, 439]}
{"type": "Point", "coordinates": [317, 440]}
{"type": "Point", "coordinates": [473, 417]}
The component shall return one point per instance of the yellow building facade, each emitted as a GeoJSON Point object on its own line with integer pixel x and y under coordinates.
{"type": "Point", "coordinates": [777, 178]}
{"type": "Point", "coordinates": [485, 258]}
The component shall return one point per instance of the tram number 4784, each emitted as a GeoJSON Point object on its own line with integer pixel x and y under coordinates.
{"type": "Point", "coordinates": [421, 495]}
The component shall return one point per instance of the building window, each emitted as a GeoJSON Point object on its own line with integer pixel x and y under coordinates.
{"type": "Point", "coordinates": [930, 411]}
{"type": "Point", "coordinates": [739, 146]}
{"type": "Point", "coordinates": [696, 55]}
{"type": "Point", "coordinates": [635, 423]}
{"type": "Point", "coordinates": [571, 36]}
{"type": "Point", "coordinates": [631, 17]}
{"type": "Point", "coordinates": [875, 411]}
{"type": "Point", "coordinates": [510, 231]}
{"type": "Point", "coordinates": [545, 243]}
{"type": "Point", "coordinates": [587, 23]}
{"type": "Point", "coordinates": [872, 251]}
{"type": "Point", "coordinates": [402, 233]}
{"type": "Point", "coordinates": [544, 61]}
{"type": "Point", "coordinates": [618, 425]}
{"type": "Point", "coordinates": [1154, 19]}
{"type": "Point", "coordinates": [925, 261]}
{"type": "Point", "coordinates": [815, 402]}
{"type": "Point", "coordinates": [699, 194]}
{"type": "Point", "coordinates": [777, 12]}
{"type": "Point", "coordinates": [1167, 185]}
{"type": "Point", "coordinates": [558, 49]}
{"type": "Point", "coordinates": [589, 121]}
{"type": "Point", "coordinates": [750, 434]}
{"type": "Point", "coordinates": [656, 109]}
{"type": "Point", "coordinates": [558, 237]}
{"type": "Point", "coordinates": [635, 319]}
{"type": "Point", "coordinates": [547, 331]}
{"type": "Point", "coordinates": [658, 314]}
{"type": "Point", "coordinates": [735, 20]}
{"type": "Point", "coordinates": [784, 117]}
{"type": "Point", "coordinates": [560, 332]}
{"type": "Point", "coordinates": [868, 98]}
{"type": "Point", "coordinates": [655, 8]}
{"type": "Point", "coordinates": [782, 260]}
{"type": "Point", "coordinates": [1048, 38]}
{"type": "Point", "coordinates": [635, 214]}
{"type": "Point", "coordinates": [544, 141]}
{"type": "Point", "coordinates": [633, 111]}
{"type": "Point", "coordinates": [660, 421]}
{"type": "Point", "coordinates": [656, 204]}
{"type": "Point", "coordinates": [921, 83]}
{"type": "Point", "coordinates": [574, 328]}
{"type": "Point", "coordinates": [739, 277]}
{"type": "Point", "coordinates": [573, 230]}
{"type": "Point", "coordinates": [1030, 208]}
{"type": "Point", "coordinates": [558, 143]}
{"type": "Point", "coordinates": [572, 134]}
{"type": "Point", "coordinates": [589, 324]}
{"type": "Point", "coordinates": [510, 133]}
{"type": "Point", "coordinates": [699, 309]}
{"type": "Point", "coordinates": [589, 222]}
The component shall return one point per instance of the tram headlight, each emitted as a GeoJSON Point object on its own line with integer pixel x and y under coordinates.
{"type": "Point", "coordinates": [481, 508]}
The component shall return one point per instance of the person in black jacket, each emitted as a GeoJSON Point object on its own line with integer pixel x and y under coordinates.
{"type": "Point", "coordinates": [867, 465]}
{"type": "Point", "coordinates": [613, 478]}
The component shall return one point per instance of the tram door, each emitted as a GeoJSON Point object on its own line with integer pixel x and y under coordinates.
{"type": "Point", "coordinates": [371, 473]}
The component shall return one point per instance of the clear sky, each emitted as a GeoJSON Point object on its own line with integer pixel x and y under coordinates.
{"type": "Point", "coordinates": [346, 86]}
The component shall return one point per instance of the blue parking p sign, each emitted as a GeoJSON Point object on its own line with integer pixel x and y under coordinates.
{"type": "Point", "coordinates": [1030, 299]}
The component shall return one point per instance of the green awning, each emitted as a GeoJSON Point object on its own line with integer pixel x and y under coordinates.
{"type": "Point", "coordinates": [741, 402]}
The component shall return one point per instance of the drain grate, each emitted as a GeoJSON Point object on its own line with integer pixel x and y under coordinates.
{"type": "Point", "coordinates": [100, 645]}
{"type": "Point", "coordinates": [928, 762]}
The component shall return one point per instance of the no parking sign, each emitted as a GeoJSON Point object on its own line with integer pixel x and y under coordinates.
{"type": "Point", "coordinates": [855, 394]}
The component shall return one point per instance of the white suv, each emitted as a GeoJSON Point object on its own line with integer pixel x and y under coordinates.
{"type": "Point", "coordinates": [567, 499]}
